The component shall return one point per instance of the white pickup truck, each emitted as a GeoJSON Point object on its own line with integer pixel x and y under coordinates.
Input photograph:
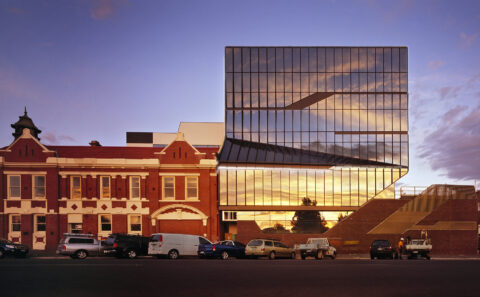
{"type": "Point", "coordinates": [418, 248]}
{"type": "Point", "coordinates": [316, 247]}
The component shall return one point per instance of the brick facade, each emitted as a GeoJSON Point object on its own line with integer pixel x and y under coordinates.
{"type": "Point", "coordinates": [130, 170]}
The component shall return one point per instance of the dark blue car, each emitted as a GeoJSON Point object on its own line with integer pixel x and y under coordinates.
{"type": "Point", "coordinates": [9, 248]}
{"type": "Point", "coordinates": [222, 249]}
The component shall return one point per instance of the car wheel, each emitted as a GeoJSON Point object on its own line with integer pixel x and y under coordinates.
{"type": "Point", "coordinates": [173, 254]}
{"type": "Point", "coordinates": [224, 255]}
{"type": "Point", "coordinates": [81, 254]}
{"type": "Point", "coordinates": [303, 256]}
{"type": "Point", "coordinates": [294, 255]}
{"type": "Point", "coordinates": [372, 256]}
{"type": "Point", "coordinates": [334, 255]}
{"type": "Point", "coordinates": [319, 255]}
{"type": "Point", "coordinates": [1, 253]}
{"type": "Point", "coordinates": [271, 256]}
{"type": "Point", "coordinates": [131, 254]}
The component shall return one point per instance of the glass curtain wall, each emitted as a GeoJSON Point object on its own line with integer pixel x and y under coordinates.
{"type": "Point", "coordinates": [349, 102]}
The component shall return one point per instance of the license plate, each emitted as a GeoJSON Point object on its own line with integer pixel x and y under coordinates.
{"type": "Point", "coordinates": [202, 252]}
{"type": "Point", "coordinates": [415, 252]}
{"type": "Point", "coordinates": [380, 249]}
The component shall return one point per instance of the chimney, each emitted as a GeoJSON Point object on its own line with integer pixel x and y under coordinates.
{"type": "Point", "coordinates": [95, 143]}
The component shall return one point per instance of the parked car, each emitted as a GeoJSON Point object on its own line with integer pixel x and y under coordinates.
{"type": "Point", "coordinates": [175, 245]}
{"type": "Point", "coordinates": [316, 247]}
{"type": "Point", "coordinates": [80, 246]}
{"type": "Point", "coordinates": [382, 248]}
{"type": "Point", "coordinates": [222, 249]}
{"type": "Point", "coordinates": [123, 245]}
{"type": "Point", "coordinates": [418, 248]}
{"type": "Point", "coordinates": [8, 247]}
{"type": "Point", "coordinates": [270, 248]}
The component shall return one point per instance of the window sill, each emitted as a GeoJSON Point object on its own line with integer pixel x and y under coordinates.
{"type": "Point", "coordinates": [172, 200]}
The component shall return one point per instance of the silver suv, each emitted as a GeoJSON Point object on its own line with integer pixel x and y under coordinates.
{"type": "Point", "coordinates": [80, 246]}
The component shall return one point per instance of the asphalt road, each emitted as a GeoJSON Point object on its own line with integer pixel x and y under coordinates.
{"type": "Point", "coordinates": [195, 277]}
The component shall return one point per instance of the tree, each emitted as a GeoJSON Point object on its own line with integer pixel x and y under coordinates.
{"type": "Point", "coordinates": [277, 228]}
{"type": "Point", "coordinates": [308, 221]}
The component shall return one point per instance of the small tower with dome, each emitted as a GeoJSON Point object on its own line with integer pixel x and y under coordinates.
{"type": "Point", "coordinates": [25, 122]}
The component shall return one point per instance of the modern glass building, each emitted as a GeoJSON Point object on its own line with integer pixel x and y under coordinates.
{"type": "Point", "coordinates": [327, 123]}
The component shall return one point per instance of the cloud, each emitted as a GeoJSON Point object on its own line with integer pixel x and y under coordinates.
{"type": "Point", "coordinates": [453, 147]}
{"type": "Point", "coordinates": [466, 41]}
{"type": "Point", "coordinates": [449, 92]}
{"type": "Point", "coordinates": [399, 8]}
{"type": "Point", "coordinates": [104, 8]}
{"type": "Point", "coordinates": [51, 138]}
{"type": "Point", "coordinates": [435, 64]}
{"type": "Point", "coordinates": [16, 11]}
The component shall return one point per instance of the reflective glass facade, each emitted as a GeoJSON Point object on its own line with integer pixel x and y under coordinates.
{"type": "Point", "coordinates": [328, 123]}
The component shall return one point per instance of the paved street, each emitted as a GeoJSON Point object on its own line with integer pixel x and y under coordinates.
{"type": "Point", "coordinates": [194, 277]}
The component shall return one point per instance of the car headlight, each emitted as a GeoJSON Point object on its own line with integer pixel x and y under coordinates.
{"type": "Point", "coordinates": [9, 246]}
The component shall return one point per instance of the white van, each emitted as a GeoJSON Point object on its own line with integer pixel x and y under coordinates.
{"type": "Point", "coordinates": [175, 245]}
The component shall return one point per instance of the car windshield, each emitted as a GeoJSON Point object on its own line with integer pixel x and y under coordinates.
{"type": "Point", "coordinates": [239, 244]}
{"type": "Point", "coordinates": [381, 243]}
{"type": "Point", "coordinates": [417, 241]}
{"type": "Point", "coordinates": [110, 240]}
{"type": "Point", "coordinates": [255, 243]}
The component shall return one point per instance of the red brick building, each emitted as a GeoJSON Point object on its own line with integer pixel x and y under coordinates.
{"type": "Point", "coordinates": [46, 191]}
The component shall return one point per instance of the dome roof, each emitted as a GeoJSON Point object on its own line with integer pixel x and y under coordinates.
{"type": "Point", "coordinates": [25, 122]}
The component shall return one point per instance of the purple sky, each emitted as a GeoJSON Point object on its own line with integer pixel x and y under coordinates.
{"type": "Point", "coordinates": [96, 69]}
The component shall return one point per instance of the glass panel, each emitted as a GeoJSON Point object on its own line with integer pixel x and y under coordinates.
{"type": "Point", "coordinates": [229, 59]}
{"type": "Point", "coordinates": [262, 59]}
{"type": "Point", "coordinates": [330, 60]}
{"type": "Point", "coordinates": [271, 59]}
{"type": "Point", "coordinates": [254, 60]}
{"type": "Point", "coordinates": [267, 187]}
{"type": "Point", "coordinates": [293, 188]}
{"type": "Point", "coordinates": [371, 59]}
{"type": "Point", "coordinates": [223, 187]}
{"type": "Point", "coordinates": [246, 59]}
{"type": "Point", "coordinates": [240, 187]}
{"type": "Point", "coordinates": [338, 59]}
{"type": "Point", "coordinates": [276, 186]}
{"type": "Point", "coordinates": [231, 187]}
{"type": "Point", "coordinates": [304, 59]}
{"type": "Point", "coordinates": [285, 187]}
{"type": "Point", "coordinates": [387, 59]}
{"type": "Point", "coordinates": [237, 60]}
{"type": "Point", "coordinates": [321, 59]}
{"type": "Point", "coordinates": [395, 60]}
{"type": "Point", "coordinates": [403, 59]}
{"type": "Point", "coordinates": [296, 60]}
{"type": "Point", "coordinates": [287, 60]}
{"type": "Point", "coordinates": [250, 187]}
{"type": "Point", "coordinates": [312, 60]}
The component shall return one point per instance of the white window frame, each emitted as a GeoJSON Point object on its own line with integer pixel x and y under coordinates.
{"type": "Point", "coordinates": [186, 187]}
{"type": "Point", "coordinates": [229, 216]}
{"type": "Point", "coordinates": [163, 188]}
{"type": "Point", "coordinates": [34, 187]}
{"type": "Point", "coordinates": [100, 229]}
{"type": "Point", "coordinates": [35, 222]}
{"type": "Point", "coordinates": [10, 227]}
{"type": "Point", "coordinates": [71, 186]}
{"type": "Point", "coordinates": [19, 187]}
{"type": "Point", "coordinates": [72, 230]}
{"type": "Point", "coordinates": [131, 178]}
{"type": "Point", "coordinates": [130, 224]}
{"type": "Point", "coordinates": [109, 187]}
